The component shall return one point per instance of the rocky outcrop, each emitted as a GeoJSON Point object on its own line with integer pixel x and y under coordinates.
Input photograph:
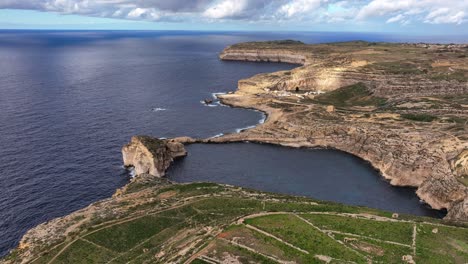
{"type": "Point", "coordinates": [255, 55]}
{"type": "Point", "coordinates": [460, 164]}
{"type": "Point", "coordinates": [150, 155]}
{"type": "Point", "coordinates": [458, 211]}
{"type": "Point", "coordinates": [443, 193]}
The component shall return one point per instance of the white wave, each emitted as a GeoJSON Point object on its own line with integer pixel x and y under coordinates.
{"type": "Point", "coordinates": [264, 117]}
{"type": "Point", "coordinates": [218, 135]}
{"type": "Point", "coordinates": [214, 104]}
{"type": "Point", "coordinates": [215, 95]}
{"type": "Point", "coordinates": [244, 128]}
{"type": "Point", "coordinates": [157, 109]}
{"type": "Point", "coordinates": [130, 170]}
{"type": "Point", "coordinates": [217, 102]}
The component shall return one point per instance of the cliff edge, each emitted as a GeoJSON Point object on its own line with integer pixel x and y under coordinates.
{"type": "Point", "coordinates": [402, 107]}
{"type": "Point", "coordinates": [148, 155]}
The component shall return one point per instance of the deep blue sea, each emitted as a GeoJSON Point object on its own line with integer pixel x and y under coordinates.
{"type": "Point", "coordinates": [69, 100]}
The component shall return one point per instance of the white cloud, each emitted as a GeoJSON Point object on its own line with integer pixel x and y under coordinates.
{"type": "Point", "coordinates": [143, 13]}
{"type": "Point", "coordinates": [396, 18]}
{"type": "Point", "coordinates": [226, 9]}
{"type": "Point", "coordinates": [445, 15]}
{"type": "Point", "coordinates": [272, 11]}
{"type": "Point", "coordinates": [299, 7]}
{"type": "Point", "coordinates": [427, 11]}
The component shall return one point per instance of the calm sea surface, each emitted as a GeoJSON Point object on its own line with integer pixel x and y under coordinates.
{"type": "Point", "coordinates": [70, 100]}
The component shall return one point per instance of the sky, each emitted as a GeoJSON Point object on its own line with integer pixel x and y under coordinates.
{"type": "Point", "coordinates": [406, 16]}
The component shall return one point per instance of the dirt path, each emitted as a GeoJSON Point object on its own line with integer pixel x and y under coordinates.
{"type": "Point", "coordinates": [120, 222]}
{"type": "Point", "coordinates": [327, 234]}
{"type": "Point", "coordinates": [371, 238]}
{"type": "Point", "coordinates": [255, 251]}
{"type": "Point", "coordinates": [276, 238]}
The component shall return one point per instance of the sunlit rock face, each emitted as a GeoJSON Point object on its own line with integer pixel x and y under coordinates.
{"type": "Point", "coordinates": [151, 155]}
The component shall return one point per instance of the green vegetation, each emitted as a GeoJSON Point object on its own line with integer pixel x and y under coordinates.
{"type": "Point", "coordinates": [457, 75]}
{"type": "Point", "coordinates": [285, 42]}
{"type": "Point", "coordinates": [419, 117]}
{"type": "Point", "coordinates": [125, 236]}
{"type": "Point", "coordinates": [401, 232]}
{"type": "Point", "coordinates": [85, 252]}
{"type": "Point", "coordinates": [396, 67]}
{"type": "Point", "coordinates": [235, 252]}
{"type": "Point", "coordinates": [447, 245]}
{"type": "Point", "coordinates": [271, 44]}
{"type": "Point", "coordinates": [295, 231]}
{"type": "Point", "coordinates": [463, 180]}
{"type": "Point", "coordinates": [199, 261]}
{"type": "Point", "coordinates": [200, 221]}
{"type": "Point", "coordinates": [264, 244]}
{"type": "Point", "coordinates": [151, 143]}
{"type": "Point", "coordinates": [352, 95]}
{"type": "Point", "coordinates": [379, 251]}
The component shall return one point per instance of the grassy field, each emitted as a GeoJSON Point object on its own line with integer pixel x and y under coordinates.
{"type": "Point", "coordinates": [209, 223]}
{"type": "Point", "coordinates": [353, 95]}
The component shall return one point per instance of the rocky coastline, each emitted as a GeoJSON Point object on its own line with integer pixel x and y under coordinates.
{"type": "Point", "coordinates": [425, 156]}
{"type": "Point", "coordinates": [376, 121]}
{"type": "Point", "coordinates": [428, 156]}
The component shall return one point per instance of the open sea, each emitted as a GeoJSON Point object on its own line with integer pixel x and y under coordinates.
{"type": "Point", "coordinates": [69, 100]}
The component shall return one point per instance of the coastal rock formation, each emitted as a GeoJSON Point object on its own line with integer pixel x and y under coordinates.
{"type": "Point", "coordinates": [150, 155]}
{"type": "Point", "coordinates": [460, 164]}
{"type": "Point", "coordinates": [394, 106]}
{"type": "Point", "coordinates": [327, 67]}
{"type": "Point", "coordinates": [459, 210]}
{"type": "Point", "coordinates": [266, 55]}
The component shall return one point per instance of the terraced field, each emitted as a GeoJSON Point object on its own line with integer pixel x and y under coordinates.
{"type": "Point", "coordinates": [210, 223]}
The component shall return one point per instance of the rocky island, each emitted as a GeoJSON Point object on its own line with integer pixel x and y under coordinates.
{"type": "Point", "coordinates": [402, 107]}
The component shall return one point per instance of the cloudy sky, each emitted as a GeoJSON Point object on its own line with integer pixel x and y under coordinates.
{"type": "Point", "coordinates": [411, 16]}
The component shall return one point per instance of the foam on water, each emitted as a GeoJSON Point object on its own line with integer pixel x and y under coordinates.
{"type": "Point", "coordinates": [158, 109]}
{"type": "Point", "coordinates": [238, 130]}
{"type": "Point", "coordinates": [217, 135]}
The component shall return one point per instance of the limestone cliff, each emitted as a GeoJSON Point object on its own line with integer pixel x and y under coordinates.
{"type": "Point", "coordinates": [151, 155]}
{"type": "Point", "coordinates": [263, 56]}
{"type": "Point", "coordinates": [409, 120]}
{"type": "Point", "coordinates": [327, 67]}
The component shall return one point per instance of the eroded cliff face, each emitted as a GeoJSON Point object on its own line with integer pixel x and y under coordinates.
{"type": "Point", "coordinates": [284, 56]}
{"type": "Point", "coordinates": [328, 67]}
{"type": "Point", "coordinates": [151, 155]}
{"type": "Point", "coordinates": [411, 125]}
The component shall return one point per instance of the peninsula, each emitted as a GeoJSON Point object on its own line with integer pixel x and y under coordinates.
{"type": "Point", "coordinates": [402, 107]}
